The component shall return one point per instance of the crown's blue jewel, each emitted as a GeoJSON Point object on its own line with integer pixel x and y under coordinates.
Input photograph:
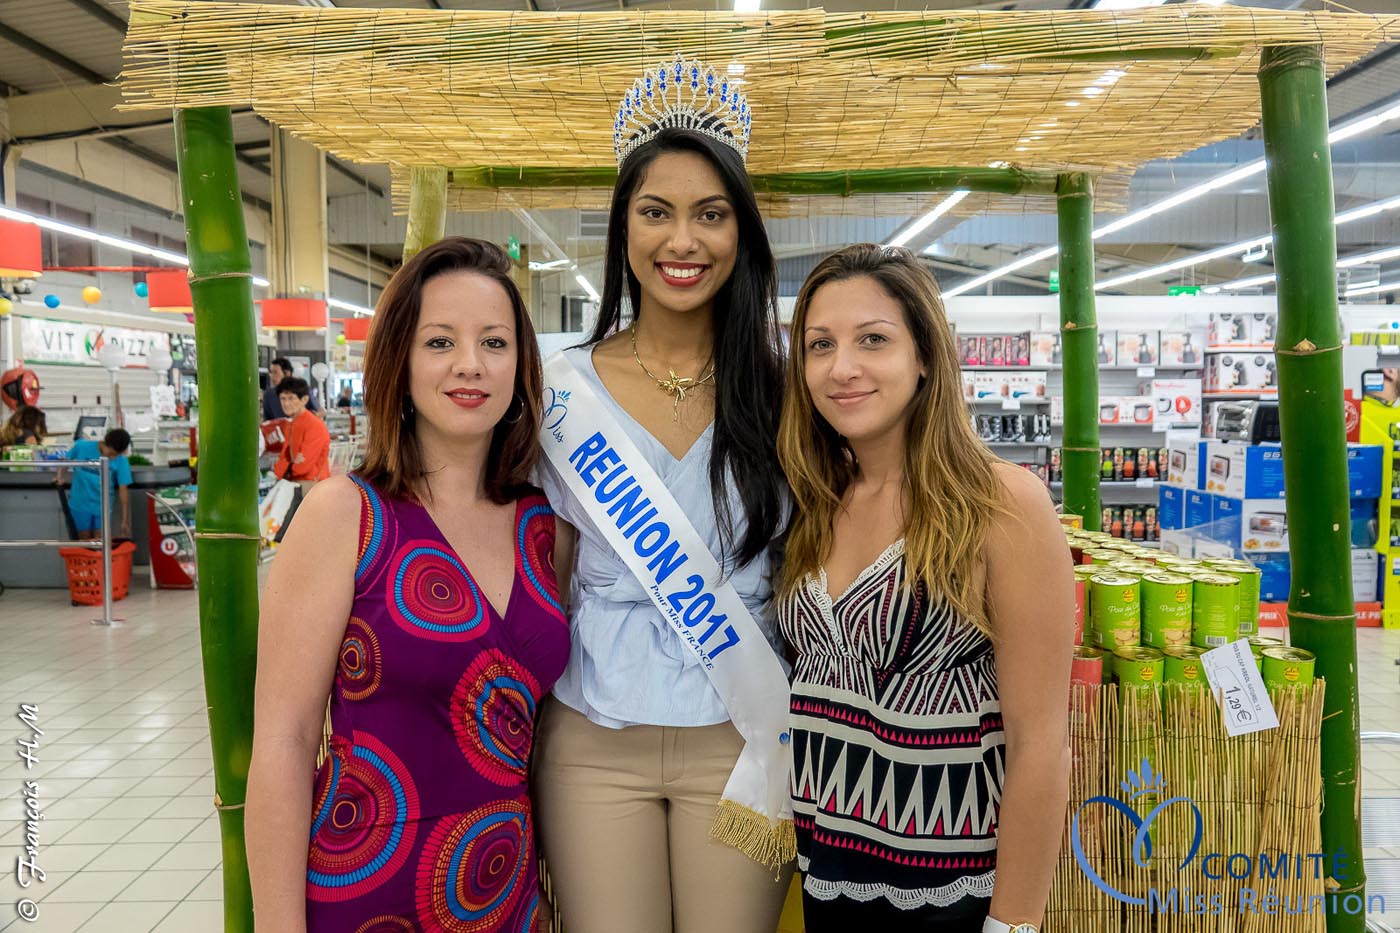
{"type": "Point", "coordinates": [664, 98]}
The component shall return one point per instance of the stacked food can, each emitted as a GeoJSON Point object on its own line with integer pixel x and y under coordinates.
{"type": "Point", "coordinates": [1145, 617]}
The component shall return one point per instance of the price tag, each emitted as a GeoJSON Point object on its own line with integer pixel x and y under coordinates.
{"type": "Point", "coordinates": [1146, 372]}
{"type": "Point", "coordinates": [1239, 689]}
{"type": "Point", "coordinates": [1010, 404]}
{"type": "Point", "coordinates": [1145, 482]}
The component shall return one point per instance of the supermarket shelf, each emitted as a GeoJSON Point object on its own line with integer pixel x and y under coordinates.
{"type": "Point", "coordinates": [1016, 443]}
{"type": "Point", "coordinates": [1222, 396]}
{"type": "Point", "coordinates": [999, 402]}
{"type": "Point", "coordinates": [1243, 348]}
{"type": "Point", "coordinates": [1114, 368]}
{"type": "Point", "coordinates": [1117, 484]}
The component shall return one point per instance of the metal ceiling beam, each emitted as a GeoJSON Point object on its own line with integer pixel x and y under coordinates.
{"type": "Point", "coordinates": [167, 163]}
{"type": "Point", "coordinates": [53, 57]}
{"type": "Point", "coordinates": [99, 12]}
{"type": "Point", "coordinates": [354, 176]}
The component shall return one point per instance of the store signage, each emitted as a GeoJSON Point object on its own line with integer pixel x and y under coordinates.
{"type": "Point", "coordinates": [513, 248]}
{"type": "Point", "coordinates": [1054, 280]}
{"type": "Point", "coordinates": [69, 343]}
{"type": "Point", "coordinates": [1175, 290]}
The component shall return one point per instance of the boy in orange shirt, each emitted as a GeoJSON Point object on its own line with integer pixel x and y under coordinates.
{"type": "Point", "coordinates": [305, 456]}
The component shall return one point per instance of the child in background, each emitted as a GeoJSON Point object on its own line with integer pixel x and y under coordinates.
{"type": "Point", "coordinates": [85, 498]}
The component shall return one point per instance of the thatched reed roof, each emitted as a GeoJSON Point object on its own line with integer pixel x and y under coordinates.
{"type": "Point", "coordinates": [1050, 91]}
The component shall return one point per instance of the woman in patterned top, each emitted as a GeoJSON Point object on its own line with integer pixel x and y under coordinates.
{"type": "Point", "coordinates": [927, 594]}
{"type": "Point", "coordinates": [419, 595]}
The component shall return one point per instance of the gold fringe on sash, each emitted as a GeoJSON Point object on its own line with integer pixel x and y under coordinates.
{"type": "Point", "coordinates": [754, 834]}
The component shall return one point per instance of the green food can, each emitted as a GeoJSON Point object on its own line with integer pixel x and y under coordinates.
{"type": "Point", "coordinates": [1288, 667]}
{"type": "Point", "coordinates": [1135, 568]}
{"type": "Point", "coordinates": [1102, 555]}
{"type": "Point", "coordinates": [1117, 610]}
{"type": "Point", "coordinates": [1257, 644]}
{"type": "Point", "coordinates": [1166, 610]}
{"type": "Point", "coordinates": [1138, 667]}
{"type": "Point", "coordinates": [1183, 665]}
{"type": "Point", "coordinates": [1249, 576]}
{"type": "Point", "coordinates": [1215, 609]}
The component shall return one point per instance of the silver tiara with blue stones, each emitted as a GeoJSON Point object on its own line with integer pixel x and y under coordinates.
{"type": "Point", "coordinates": [687, 95]}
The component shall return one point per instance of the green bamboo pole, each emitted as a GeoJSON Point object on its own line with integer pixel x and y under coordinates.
{"type": "Point", "coordinates": [226, 514]}
{"type": "Point", "coordinates": [427, 208]}
{"type": "Point", "coordinates": [1321, 613]}
{"type": "Point", "coordinates": [1079, 328]}
{"type": "Point", "coordinates": [1009, 181]}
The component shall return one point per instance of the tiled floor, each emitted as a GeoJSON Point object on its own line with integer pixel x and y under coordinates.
{"type": "Point", "coordinates": [129, 838]}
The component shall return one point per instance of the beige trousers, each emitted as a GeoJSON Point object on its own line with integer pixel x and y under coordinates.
{"type": "Point", "coordinates": [624, 821]}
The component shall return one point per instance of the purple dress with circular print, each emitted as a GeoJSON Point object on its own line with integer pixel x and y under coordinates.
{"type": "Point", "coordinates": [421, 815]}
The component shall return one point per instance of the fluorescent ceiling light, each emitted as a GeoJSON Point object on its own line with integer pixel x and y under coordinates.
{"type": "Point", "coordinates": [141, 249]}
{"type": "Point", "coordinates": [82, 233]}
{"type": "Point", "coordinates": [1250, 282]}
{"type": "Point", "coordinates": [1348, 130]}
{"type": "Point", "coordinates": [1233, 249]}
{"type": "Point", "coordinates": [347, 306]}
{"type": "Point", "coordinates": [587, 286]}
{"type": "Point", "coordinates": [1021, 263]}
{"type": "Point", "coordinates": [1256, 255]}
{"type": "Point", "coordinates": [550, 266]}
{"type": "Point", "coordinates": [1347, 262]}
{"type": "Point", "coordinates": [1374, 289]}
{"type": "Point", "coordinates": [926, 221]}
{"type": "Point", "coordinates": [1244, 246]}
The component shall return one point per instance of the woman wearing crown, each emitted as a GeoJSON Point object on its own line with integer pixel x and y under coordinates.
{"type": "Point", "coordinates": [662, 771]}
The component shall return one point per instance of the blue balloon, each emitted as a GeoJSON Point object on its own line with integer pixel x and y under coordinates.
{"type": "Point", "coordinates": [141, 290]}
{"type": "Point", "coordinates": [52, 301]}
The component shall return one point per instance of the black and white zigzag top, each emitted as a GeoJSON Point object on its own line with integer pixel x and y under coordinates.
{"type": "Point", "coordinates": [897, 743]}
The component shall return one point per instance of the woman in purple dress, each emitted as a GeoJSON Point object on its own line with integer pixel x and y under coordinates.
{"type": "Point", "coordinates": [419, 595]}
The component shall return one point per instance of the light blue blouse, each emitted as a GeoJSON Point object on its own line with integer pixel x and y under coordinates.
{"type": "Point", "coordinates": [626, 665]}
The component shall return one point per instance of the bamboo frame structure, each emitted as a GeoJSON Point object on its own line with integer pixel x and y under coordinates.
{"type": "Point", "coordinates": [1321, 611]}
{"type": "Point", "coordinates": [848, 101]}
{"type": "Point", "coordinates": [427, 208]}
{"type": "Point", "coordinates": [226, 514]}
{"type": "Point", "coordinates": [1079, 330]}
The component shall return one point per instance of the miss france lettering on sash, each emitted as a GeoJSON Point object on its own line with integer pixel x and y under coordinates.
{"type": "Point", "coordinates": [688, 607]}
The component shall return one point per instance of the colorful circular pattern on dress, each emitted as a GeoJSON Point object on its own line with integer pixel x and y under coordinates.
{"type": "Point", "coordinates": [387, 924]}
{"type": "Point", "coordinates": [535, 545]}
{"type": "Point", "coordinates": [527, 919]}
{"type": "Point", "coordinates": [432, 595]}
{"type": "Point", "coordinates": [475, 869]}
{"type": "Point", "coordinates": [493, 716]}
{"type": "Point", "coordinates": [364, 822]}
{"type": "Point", "coordinates": [372, 526]}
{"type": "Point", "coordinates": [359, 661]}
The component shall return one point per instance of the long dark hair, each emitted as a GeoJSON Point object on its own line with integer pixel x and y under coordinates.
{"type": "Point", "coordinates": [393, 460]}
{"type": "Point", "coordinates": [748, 368]}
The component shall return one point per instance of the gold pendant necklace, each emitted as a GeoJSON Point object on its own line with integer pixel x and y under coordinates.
{"type": "Point", "coordinates": [675, 386]}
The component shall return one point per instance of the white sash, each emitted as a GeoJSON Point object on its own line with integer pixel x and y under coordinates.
{"type": "Point", "coordinates": [649, 531]}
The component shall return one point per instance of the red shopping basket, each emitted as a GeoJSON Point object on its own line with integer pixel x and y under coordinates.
{"type": "Point", "coordinates": [85, 572]}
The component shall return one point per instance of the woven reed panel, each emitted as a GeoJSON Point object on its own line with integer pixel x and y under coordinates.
{"type": "Point", "coordinates": [1102, 92]}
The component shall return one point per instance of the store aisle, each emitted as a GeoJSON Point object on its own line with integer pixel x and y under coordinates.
{"type": "Point", "coordinates": [129, 839]}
